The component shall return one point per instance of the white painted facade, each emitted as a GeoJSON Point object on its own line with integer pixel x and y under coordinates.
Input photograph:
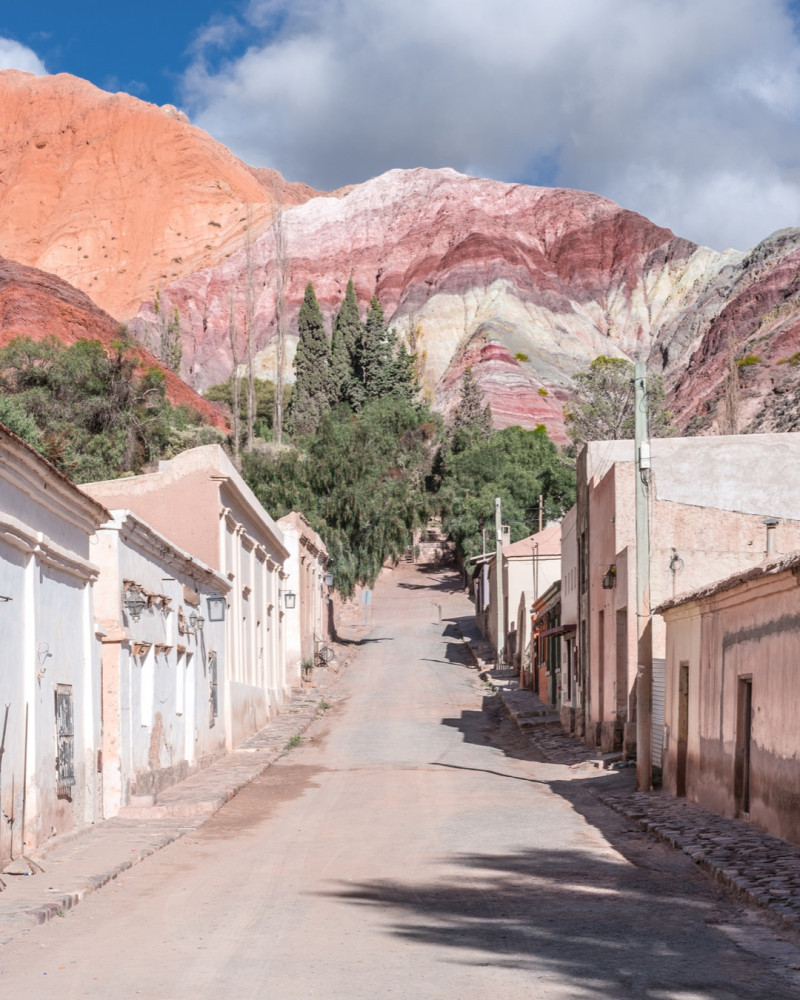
{"type": "Point", "coordinates": [200, 503]}
{"type": "Point", "coordinates": [163, 668]}
{"type": "Point", "coordinates": [305, 623]}
{"type": "Point", "coordinates": [51, 778]}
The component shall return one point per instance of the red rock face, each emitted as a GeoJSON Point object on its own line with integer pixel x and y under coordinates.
{"type": "Point", "coordinates": [39, 305]}
{"type": "Point", "coordinates": [753, 338]}
{"type": "Point", "coordinates": [118, 196]}
{"type": "Point", "coordinates": [528, 285]}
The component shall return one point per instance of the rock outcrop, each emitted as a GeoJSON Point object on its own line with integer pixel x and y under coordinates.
{"type": "Point", "coordinates": [38, 305]}
{"type": "Point", "coordinates": [527, 285]}
{"type": "Point", "coordinates": [118, 196]}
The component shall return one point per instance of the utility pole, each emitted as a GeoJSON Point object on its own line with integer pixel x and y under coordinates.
{"type": "Point", "coordinates": [644, 632]}
{"type": "Point", "coordinates": [498, 573]}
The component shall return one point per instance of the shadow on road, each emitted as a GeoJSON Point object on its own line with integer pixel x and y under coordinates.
{"type": "Point", "coordinates": [446, 582]}
{"type": "Point", "coordinates": [490, 726]}
{"type": "Point", "coordinates": [567, 914]}
{"type": "Point", "coordinates": [364, 642]}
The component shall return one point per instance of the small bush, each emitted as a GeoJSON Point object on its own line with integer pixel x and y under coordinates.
{"type": "Point", "coordinates": [521, 357]}
{"type": "Point", "coordinates": [543, 391]}
{"type": "Point", "coordinates": [748, 360]}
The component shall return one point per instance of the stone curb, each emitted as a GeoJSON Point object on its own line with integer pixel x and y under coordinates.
{"type": "Point", "coordinates": [757, 867]}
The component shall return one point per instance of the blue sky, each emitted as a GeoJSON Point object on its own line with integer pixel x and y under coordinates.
{"type": "Point", "coordinates": [141, 48]}
{"type": "Point", "coordinates": [687, 111]}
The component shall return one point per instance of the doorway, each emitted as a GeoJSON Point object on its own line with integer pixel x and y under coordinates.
{"type": "Point", "coordinates": [683, 729]}
{"type": "Point", "coordinates": [744, 735]}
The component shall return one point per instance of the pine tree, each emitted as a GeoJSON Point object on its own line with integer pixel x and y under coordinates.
{"type": "Point", "coordinates": [312, 364]}
{"type": "Point", "coordinates": [346, 334]}
{"type": "Point", "coordinates": [376, 368]}
{"type": "Point", "coordinates": [471, 419]}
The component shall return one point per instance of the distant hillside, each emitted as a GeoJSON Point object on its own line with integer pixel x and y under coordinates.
{"type": "Point", "coordinates": [118, 196]}
{"type": "Point", "coordinates": [37, 305]}
{"type": "Point", "coordinates": [526, 285]}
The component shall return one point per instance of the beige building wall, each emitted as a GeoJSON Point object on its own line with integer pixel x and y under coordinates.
{"type": "Point", "coordinates": [733, 742]}
{"type": "Point", "coordinates": [691, 545]}
{"type": "Point", "coordinates": [306, 624]}
{"type": "Point", "coordinates": [163, 678]}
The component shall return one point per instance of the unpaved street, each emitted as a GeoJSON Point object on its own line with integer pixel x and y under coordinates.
{"type": "Point", "coordinates": [409, 847]}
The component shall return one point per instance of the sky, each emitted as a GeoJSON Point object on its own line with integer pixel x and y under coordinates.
{"type": "Point", "coordinates": [687, 111]}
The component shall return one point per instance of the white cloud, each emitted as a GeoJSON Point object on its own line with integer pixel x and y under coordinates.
{"type": "Point", "coordinates": [13, 55]}
{"type": "Point", "coordinates": [685, 110]}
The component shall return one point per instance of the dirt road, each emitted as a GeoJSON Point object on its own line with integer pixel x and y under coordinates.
{"type": "Point", "coordinates": [409, 847]}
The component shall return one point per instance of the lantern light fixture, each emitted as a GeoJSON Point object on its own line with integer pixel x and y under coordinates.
{"type": "Point", "coordinates": [289, 599]}
{"type": "Point", "coordinates": [134, 602]}
{"type": "Point", "coordinates": [328, 579]}
{"type": "Point", "coordinates": [216, 609]}
{"type": "Point", "coordinates": [196, 622]}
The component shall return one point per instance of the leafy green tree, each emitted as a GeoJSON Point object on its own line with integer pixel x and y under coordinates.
{"type": "Point", "coordinates": [603, 406]}
{"type": "Point", "coordinates": [95, 416]}
{"type": "Point", "coordinates": [312, 364]}
{"type": "Point", "coordinates": [360, 480]}
{"type": "Point", "coordinates": [13, 415]}
{"type": "Point", "coordinates": [224, 393]}
{"type": "Point", "coordinates": [514, 464]}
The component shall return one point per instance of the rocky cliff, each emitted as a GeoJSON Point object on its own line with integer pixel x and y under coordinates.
{"type": "Point", "coordinates": [527, 285]}
{"type": "Point", "coordinates": [118, 196]}
{"type": "Point", "coordinates": [38, 305]}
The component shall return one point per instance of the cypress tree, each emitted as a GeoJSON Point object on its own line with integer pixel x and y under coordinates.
{"type": "Point", "coordinates": [312, 393]}
{"type": "Point", "coordinates": [374, 359]}
{"type": "Point", "coordinates": [471, 419]}
{"type": "Point", "coordinates": [346, 334]}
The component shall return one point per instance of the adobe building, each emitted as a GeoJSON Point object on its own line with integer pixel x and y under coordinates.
{"type": "Point", "coordinates": [708, 500]}
{"type": "Point", "coordinates": [530, 566]}
{"type": "Point", "coordinates": [731, 740]}
{"type": "Point", "coordinates": [163, 659]}
{"type": "Point", "coordinates": [201, 504]}
{"type": "Point", "coordinates": [306, 621]}
{"type": "Point", "coordinates": [50, 706]}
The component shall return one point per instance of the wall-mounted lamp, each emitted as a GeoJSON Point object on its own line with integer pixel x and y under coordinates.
{"type": "Point", "coordinates": [610, 577]}
{"type": "Point", "coordinates": [289, 598]}
{"type": "Point", "coordinates": [216, 609]}
{"type": "Point", "coordinates": [676, 564]}
{"type": "Point", "coordinates": [134, 601]}
{"type": "Point", "coordinates": [328, 579]}
{"type": "Point", "coordinates": [196, 622]}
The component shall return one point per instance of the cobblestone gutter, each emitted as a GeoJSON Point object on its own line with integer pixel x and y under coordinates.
{"type": "Point", "coordinates": [760, 868]}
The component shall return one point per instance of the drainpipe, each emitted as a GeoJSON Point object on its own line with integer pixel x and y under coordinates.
{"type": "Point", "coordinates": [771, 524]}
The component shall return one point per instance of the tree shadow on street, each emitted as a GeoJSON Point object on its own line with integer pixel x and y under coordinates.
{"type": "Point", "coordinates": [364, 641]}
{"type": "Point", "coordinates": [442, 582]}
{"type": "Point", "coordinates": [570, 916]}
{"type": "Point", "coordinates": [454, 652]}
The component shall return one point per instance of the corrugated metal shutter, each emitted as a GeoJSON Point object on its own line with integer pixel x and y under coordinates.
{"type": "Point", "coordinates": [659, 691]}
